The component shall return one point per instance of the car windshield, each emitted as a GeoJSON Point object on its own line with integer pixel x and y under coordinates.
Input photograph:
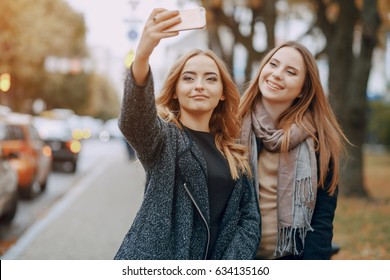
{"type": "Point", "coordinates": [10, 132]}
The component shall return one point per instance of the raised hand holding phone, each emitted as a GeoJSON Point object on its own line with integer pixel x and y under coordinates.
{"type": "Point", "coordinates": [159, 20]}
{"type": "Point", "coordinates": [190, 19]}
{"type": "Point", "coordinates": [161, 24]}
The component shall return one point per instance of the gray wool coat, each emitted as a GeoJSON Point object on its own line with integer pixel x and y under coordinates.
{"type": "Point", "coordinates": [173, 221]}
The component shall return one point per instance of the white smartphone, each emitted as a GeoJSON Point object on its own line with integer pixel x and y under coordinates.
{"type": "Point", "coordinates": [190, 19]}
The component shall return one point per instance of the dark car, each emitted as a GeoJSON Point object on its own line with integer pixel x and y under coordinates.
{"type": "Point", "coordinates": [8, 190]}
{"type": "Point", "coordinates": [58, 135]}
{"type": "Point", "coordinates": [28, 154]}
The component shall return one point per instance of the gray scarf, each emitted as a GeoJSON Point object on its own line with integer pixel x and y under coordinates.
{"type": "Point", "coordinates": [297, 175]}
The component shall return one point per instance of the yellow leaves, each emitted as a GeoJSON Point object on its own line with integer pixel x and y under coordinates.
{"type": "Point", "coordinates": [32, 30]}
{"type": "Point", "coordinates": [384, 12]}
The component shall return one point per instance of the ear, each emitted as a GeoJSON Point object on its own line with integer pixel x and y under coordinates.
{"type": "Point", "coordinates": [174, 96]}
{"type": "Point", "coordinates": [222, 97]}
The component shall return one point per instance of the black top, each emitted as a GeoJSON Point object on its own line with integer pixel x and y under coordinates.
{"type": "Point", "coordinates": [220, 182]}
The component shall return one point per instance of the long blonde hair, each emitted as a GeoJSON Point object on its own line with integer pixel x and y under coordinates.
{"type": "Point", "coordinates": [224, 122]}
{"type": "Point", "coordinates": [329, 138]}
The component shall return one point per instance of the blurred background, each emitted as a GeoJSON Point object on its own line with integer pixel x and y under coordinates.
{"type": "Point", "coordinates": [62, 65]}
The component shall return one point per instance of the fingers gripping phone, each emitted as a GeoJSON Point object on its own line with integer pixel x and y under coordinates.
{"type": "Point", "coordinates": [190, 19]}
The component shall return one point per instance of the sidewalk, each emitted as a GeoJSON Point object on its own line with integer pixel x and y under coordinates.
{"type": "Point", "coordinates": [91, 220]}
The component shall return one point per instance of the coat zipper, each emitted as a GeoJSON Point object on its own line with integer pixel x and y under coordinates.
{"type": "Point", "coordinates": [203, 218]}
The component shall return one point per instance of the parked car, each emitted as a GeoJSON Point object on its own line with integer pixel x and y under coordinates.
{"type": "Point", "coordinates": [8, 190]}
{"type": "Point", "coordinates": [58, 135]}
{"type": "Point", "coordinates": [28, 154]}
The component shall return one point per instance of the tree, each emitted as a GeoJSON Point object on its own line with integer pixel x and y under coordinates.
{"type": "Point", "coordinates": [30, 32]}
{"type": "Point", "coordinates": [242, 22]}
{"type": "Point", "coordinates": [103, 101]}
{"type": "Point", "coordinates": [351, 36]}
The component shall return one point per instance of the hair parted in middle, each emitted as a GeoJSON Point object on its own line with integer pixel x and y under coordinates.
{"type": "Point", "coordinates": [224, 122]}
{"type": "Point", "coordinates": [330, 139]}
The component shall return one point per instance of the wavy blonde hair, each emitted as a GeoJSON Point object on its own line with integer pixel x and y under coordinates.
{"type": "Point", "coordinates": [224, 121]}
{"type": "Point", "coordinates": [329, 138]}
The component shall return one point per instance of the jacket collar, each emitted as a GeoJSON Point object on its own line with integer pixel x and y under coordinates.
{"type": "Point", "coordinates": [199, 192]}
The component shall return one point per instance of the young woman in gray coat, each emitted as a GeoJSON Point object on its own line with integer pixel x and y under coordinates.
{"type": "Point", "coordinates": [198, 201]}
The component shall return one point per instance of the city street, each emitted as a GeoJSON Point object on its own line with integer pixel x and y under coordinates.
{"type": "Point", "coordinates": [86, 215]}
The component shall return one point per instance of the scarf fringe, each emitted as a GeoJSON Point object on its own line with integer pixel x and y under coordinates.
{"type": "Point", "coordinates": [297, 182]}
{"type": "Point", "coordinates": [287, 236]}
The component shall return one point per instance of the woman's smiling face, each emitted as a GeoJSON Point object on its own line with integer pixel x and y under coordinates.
{"type": "Point", "coordinates": [282, 78]}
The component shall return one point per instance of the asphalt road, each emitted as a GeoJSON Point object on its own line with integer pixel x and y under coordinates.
{"type": "Point", "coordinates": [90, 219]}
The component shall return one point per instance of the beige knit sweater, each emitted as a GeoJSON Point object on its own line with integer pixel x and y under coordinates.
{"type": "Point", "coordinates": [267, 171]}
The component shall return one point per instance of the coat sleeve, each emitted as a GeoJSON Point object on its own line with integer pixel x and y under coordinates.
{"type": "Point", "coordinates": [246, 239]}
{"type": "Point", "coordinates": [318, 243]}
{"type": "Point", "coordinates": [138, 120]}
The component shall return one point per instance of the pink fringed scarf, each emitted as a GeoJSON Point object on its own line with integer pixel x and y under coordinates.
{"type": "Point", "coordinates": [297, 175]}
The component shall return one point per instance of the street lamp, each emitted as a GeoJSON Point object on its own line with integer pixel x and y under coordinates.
{"type": "Point", "coordinates": [5, 82]}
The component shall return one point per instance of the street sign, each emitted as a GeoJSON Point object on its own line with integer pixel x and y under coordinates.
{"type": "Point", "coordinates": [133, 35]}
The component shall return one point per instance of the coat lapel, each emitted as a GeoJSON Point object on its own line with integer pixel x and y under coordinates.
{"type": "Point", "coordinates": [192, 166]}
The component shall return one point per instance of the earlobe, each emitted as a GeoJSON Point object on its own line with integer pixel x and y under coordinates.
{"type": "Point", "coordinates": [222, 97]}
